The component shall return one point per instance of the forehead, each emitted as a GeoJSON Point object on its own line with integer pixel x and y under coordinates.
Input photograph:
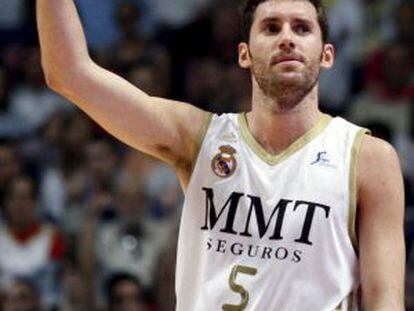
{"type": "Point", "coordinates": [286, 8]}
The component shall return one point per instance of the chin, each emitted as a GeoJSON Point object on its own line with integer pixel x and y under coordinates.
{"type": "Point", "coordinates": [290, 80]}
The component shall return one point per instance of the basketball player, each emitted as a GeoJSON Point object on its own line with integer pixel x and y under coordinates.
{"type": "Point", "coordinates": [270, 220]}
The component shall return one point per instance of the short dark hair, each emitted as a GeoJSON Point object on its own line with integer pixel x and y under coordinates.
{"type": "Point", "coordinates": [115, 279]}
{"type": "Point", "coordinates": [248, 8]}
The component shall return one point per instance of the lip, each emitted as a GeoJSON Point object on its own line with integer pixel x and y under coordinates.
{"type": "Point", "coordinates": [286, 59]}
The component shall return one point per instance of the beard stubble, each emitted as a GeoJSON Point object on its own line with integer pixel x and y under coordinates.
{"type": "Point", "coordinates": [286, 92]}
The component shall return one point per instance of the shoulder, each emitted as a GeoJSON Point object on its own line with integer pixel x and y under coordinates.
{"type": "Point", "coordinates": [379, 170]}
{"type": "Point", "coordinates": [376, 155]}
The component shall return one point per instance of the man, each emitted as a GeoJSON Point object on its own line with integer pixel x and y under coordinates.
{"type": "Point", "coordinates": [29, 247]}
{"type": "Point", "coordinates": [270, 211]}
{"type": "Point", "coordinates": [21, 295]}
{"type": "Point", "coordinates": [124, 293]}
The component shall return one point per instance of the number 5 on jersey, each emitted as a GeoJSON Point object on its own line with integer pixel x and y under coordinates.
{"type": "Point", "coordinates": [238, 288]}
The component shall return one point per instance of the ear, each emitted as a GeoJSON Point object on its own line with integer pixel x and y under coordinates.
{"type": "Point", "coordinates": [244, 56]}
{"type": "Point", "coordinates": [328, 55]}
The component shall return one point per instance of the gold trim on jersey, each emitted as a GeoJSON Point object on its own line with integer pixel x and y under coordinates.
{"type": "Point", "coordinates": [295, 146]}
{"type": "Point", "coordinates": [353, 187]}
{"type": "Point", "coordinates": [349, 302]}
{"type": "Point", "coordinates": [200, 137]}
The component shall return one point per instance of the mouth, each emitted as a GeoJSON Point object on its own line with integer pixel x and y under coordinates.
{"type": "Point", "coordinates": [286, 59]}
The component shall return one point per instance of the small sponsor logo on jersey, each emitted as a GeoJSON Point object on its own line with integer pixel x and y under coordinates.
{"type": "Point", "coordinates": [229, 137]}
{"type": "Point", "coordinates": [224, 163]}
{"type": "Point", "coordinates": [322, 159]}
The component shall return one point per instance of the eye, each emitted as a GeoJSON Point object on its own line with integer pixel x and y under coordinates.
{"type": "Point", "coordinates": [271, 28]}
{"type": "Point", "coordinates": [302, 29]}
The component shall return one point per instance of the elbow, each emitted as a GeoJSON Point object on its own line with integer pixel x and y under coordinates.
{"type": "Point", "coordinates": [59, 85]}
{"type": "Point", "coordinates": [52, 77]}
{"type": "Point", "coordinates": [51, 82]}
{"type": "Point", "coordinates": [60, 79]}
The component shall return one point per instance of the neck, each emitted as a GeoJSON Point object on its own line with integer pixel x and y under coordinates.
{"type": "Point", "coordinates": [272, 115]}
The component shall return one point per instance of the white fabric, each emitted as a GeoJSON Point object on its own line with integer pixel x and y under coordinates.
{"type": "Point", "coordinates": [18, 259]}
{"type": "Point", "coordinates": [291, 275]}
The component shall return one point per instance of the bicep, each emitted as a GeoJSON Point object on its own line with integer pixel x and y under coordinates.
{"type": "Point", "coordinates": [381, 213]}
{"type": "Point", "coordinates": [159, 127]}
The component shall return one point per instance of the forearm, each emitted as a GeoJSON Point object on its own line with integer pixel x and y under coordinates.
{"type": "Point", "coordinates": [62, 41]}
{"type": "Point", "coordinates": [389, 298]}
{"type": "Point", "coordinates": [378, 306]}
{"type": "Point", "coordinates": [383, 288]}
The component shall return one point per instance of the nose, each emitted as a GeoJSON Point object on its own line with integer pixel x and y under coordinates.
{"type": "Point", "coordinates": [286, 42]}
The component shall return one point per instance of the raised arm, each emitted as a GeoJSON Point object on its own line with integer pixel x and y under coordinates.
{"type": "Point", "coordinates": [381, 218]}
{"type": "Point", "coordinates": [163, 128]}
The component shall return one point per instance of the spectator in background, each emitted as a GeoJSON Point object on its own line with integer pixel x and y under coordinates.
{"type": "Point", "coordinates": [132, 242]}
{"type": "Point", "coordinates": [213, 37]}
{"type": "Point", "coordinates": [216, 87]}
{"type": "Point", "coordinates": [377, 17]}
{"type": "Point", "coordinates": [204, 81]}
{"type": "Point", "coordinates": [164, 193]}
{"type": "Point", "coordinates": [173, 14]}
{"type": "Point", "coordinates": [10, 166]}
{"type": "Point", "coordinates": [86, 242]}
{"type": "Point", "coordinates": [404, 36]}
{"type": "Point", "coordinates": [388, 99]}
{"type": "Point", "coordinates": [78, 132]}
{"type": "Point", "coordinates": [100, 26]}
{"type": "Point", "coordinates": [135, 47]}
{"type": "Point", "coordinates": [92, 169]}
{"type": "Point", "coordinates": [31, 103]}
{"type": "Point", "coordinates": [124, 292]}
{"type": "Point", "coordinates": [76, 295]}
{"type": "Point", "coordinates": [404, 23]}
{"type": "Point", "coordinates": [7, 121]}
{"type": "Point", "coordinates": [4, 90]}
{"type": "Point", "coordinates": [101, 166]}
{"type": "Point", "coordinates": [165, 276]}
{"type": "Point", "coordinates": [345, 26]}
{"type": "Point", "coordinates": [144, 74]}
{"type": "Point", "coordinates": [225, 32]}
{"type": "Point", "coordinates": [44, 152]}
{"type": "Point", "coordinates": [55, 155]}
{"type": "Point", "coordinates": [14, 22]}
{"type": "Point", "coordinates": [28, 246]}
{"type": "Point", "coordinates": [21, 295]}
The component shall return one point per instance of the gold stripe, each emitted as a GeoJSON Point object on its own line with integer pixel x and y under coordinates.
{"type": "Point", "coordinates": [350, 300]}
{"type": "Point", "coordinates": [199, 139]}
{"type": "Point", "coordinates": [295, 146]}
{"type": "Point", "coordinates": [353, 187]}
{"type": "Point", "coordinates": [339, 308]}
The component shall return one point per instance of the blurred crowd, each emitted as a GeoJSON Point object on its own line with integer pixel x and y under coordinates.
{"type": "Point", "coordinates": [86, 223]}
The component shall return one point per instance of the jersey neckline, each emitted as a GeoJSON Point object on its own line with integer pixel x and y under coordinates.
{"type": "Point", "coordinates": [300, 142]}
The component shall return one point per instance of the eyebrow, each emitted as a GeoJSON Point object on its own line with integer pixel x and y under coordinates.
{"type": "Point", "coordinates": [271, 19]}
{"type": "Point", "coordinates": [303, 20]}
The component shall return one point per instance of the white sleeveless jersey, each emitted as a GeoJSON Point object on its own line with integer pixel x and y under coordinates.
{"type": "Point", "coordinates": [268, 233]}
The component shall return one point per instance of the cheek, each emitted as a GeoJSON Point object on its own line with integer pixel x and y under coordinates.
{"type": "Point", "coordinates": [262, 48]}
{"type": "Point", "coordinates": [317, 49]}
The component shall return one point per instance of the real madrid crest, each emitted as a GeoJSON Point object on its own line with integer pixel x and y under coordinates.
{"type": "Point", "coordinates": [224, 164]}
